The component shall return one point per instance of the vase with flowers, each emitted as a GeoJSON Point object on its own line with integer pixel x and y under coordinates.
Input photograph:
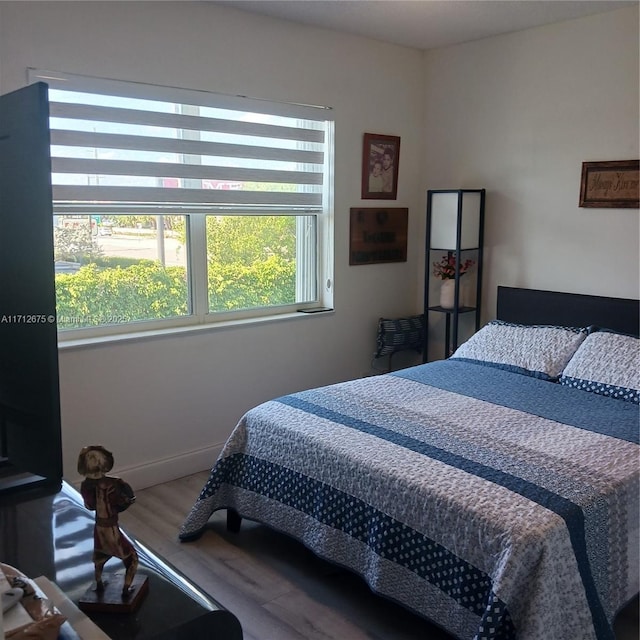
{"type": "Point", "coordinates": [445, 269]}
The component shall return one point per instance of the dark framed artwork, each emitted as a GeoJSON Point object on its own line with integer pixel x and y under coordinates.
{"type": "Point", "coordinates": [378, 234]}
{"type": "Point", "coordinates": [380, 158]}
{"type": "Point", "coordinates": [610, 184]}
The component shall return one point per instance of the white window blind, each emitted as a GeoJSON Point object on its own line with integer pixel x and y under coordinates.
{"type": "Point", "coordinates": [130, 146]}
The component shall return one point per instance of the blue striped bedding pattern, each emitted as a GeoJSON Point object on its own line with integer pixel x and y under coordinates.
{"type": "Point", "coordinates": [498, 505]}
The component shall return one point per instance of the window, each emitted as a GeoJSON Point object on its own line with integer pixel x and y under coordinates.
{"type": "Point", "coordinates": [175, 207]}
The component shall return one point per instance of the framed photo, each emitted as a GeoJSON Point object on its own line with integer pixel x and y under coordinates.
{"type": "Point", "coordinates": [612, 184]}
{"type": "Point", "coordinates": [378, 235]}
{"type": "Point", "coordinates": [380, 156]}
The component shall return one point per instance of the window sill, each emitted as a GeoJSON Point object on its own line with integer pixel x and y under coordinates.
{"type": "Point", "coordinates": [170, 332]}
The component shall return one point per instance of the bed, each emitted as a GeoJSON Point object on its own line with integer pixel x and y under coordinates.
{"type": "Point", "coordinates": [494, 493]}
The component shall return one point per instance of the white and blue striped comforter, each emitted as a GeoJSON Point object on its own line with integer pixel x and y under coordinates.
{"type": "Point", "coordinates": [497, 505]}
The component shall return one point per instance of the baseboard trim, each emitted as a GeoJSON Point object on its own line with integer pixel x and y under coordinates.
{"type": "Point", "coordinates": [155, 472]}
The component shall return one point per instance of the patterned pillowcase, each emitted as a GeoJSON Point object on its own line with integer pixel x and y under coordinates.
{"type": "Point", "coordinates": [399, 334]}
{"type": "Point", "coordinates": [540, 351]}
{"type": "Point", "coordinates": [607, 364]}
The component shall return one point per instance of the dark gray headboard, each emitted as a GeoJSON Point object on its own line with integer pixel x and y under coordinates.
{"type": "Point", "coordinates": [532, 306]}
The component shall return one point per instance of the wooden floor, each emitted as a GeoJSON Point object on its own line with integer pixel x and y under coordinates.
{"type": "Point", "coordinates": [276, 588]}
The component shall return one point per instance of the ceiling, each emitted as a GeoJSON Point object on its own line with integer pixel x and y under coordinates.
{"type": "Point", "coordinates": [426, 24]}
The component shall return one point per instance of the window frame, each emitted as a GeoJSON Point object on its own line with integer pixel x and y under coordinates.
{"type": "Point", "coordinates": [195, 222]}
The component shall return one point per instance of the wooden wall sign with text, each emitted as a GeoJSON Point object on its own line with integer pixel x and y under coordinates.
{"type": "Point", "coordinates": [378, 235]}
{"type": "Point", "coordinates": [612, 184]}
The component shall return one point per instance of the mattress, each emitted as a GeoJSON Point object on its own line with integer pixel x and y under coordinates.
{"type": "Point", "coordinates": [496, 504]}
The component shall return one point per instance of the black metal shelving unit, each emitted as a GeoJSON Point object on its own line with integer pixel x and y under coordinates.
{"type": "Point", "coordinates": [461, 213]}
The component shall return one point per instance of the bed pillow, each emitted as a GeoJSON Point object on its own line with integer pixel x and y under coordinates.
{"type": "Point", "coordinates": [536, 350]}
{"type": "Point", "coordinates": [608, 364]}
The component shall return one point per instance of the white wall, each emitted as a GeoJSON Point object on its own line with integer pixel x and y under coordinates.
{"type": "Point", "coordinates": [164, 406]}
{"type": "Point", "coordinates": [518, 114]}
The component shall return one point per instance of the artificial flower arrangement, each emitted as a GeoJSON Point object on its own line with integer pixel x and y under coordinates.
{"type": "Point", "coordinates": [446, 268]}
